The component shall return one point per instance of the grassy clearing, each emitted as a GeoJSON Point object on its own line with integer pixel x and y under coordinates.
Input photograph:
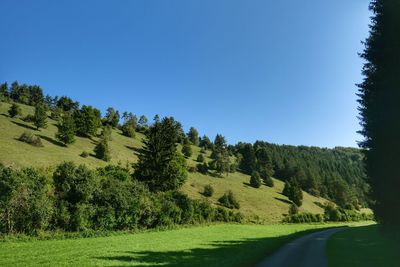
{"type": "Point", "coordinates": [216, 245]}
{"type": "Point", "coordinates": [264, 204]}
{"type": "Point", "coordinates": [364, 247]}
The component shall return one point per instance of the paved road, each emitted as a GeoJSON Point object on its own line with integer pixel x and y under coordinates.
{"type": "Point", "coordinates": [306, 251]}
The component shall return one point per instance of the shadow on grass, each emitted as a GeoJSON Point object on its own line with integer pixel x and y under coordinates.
{"type": "Point", "coordinates": [245, 252]}
{"type": "Point", "coordinates": [51, 140]}
{"type": "Point", "coordinates": [319, 204]}
{"type": "Point", "coordinates": [24, 125]}
{"type": "Point", "coordinates": [283, 200]}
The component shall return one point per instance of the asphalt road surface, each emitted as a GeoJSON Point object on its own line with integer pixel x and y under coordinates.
{"type": "Point", "coordinates": [306, 251]}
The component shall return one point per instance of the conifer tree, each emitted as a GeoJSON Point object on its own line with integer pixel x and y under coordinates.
{"type": "Point", "coordinates": [40, 117]}
{"type": "Point", "coordinates": [15, 110]}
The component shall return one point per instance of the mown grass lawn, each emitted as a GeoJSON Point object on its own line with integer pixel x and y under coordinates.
{"type": "Point", "coordinates": [364, 246]}
{"type": "Point", "coordinates": [216, 245]}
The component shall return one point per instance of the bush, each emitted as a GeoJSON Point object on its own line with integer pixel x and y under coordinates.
{"type": "Point", "coordinates": [84, 154]}
{"type": "Point", "coordinates": [128, 130]}
{"type": "Point", "coordinates": [202, 167]}
{"type": "Point", "coordinates": [208, 190]}
{"type": "Point", "coordinates": [200, 158]}
{"type": "Point", "coordinates": [255, 180]}
{"type": "Point", "coordinates": [268, 181]}
{"type": "Point", "coordinates": [31, 139]}
{"type": "Point", "coordinates": [102, 151]}
{"type": "Point", "coordinates": [192, 169]}
{"type": "Point", "coordinates": [304, 218]}
{"type": "Point", "coordinates": [293, 209]}
{"type": "Point", "coordinates": [15, 110]}
{"type": "Point", "coordinates": [229, 200]}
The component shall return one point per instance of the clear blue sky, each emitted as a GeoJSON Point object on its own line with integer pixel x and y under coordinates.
{"type": "Point", "coordinates": [279, 71]}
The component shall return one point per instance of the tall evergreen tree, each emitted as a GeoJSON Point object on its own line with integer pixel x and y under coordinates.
{"type": "Point", "coordinates": [380, 109]}
{"type": "Point", "coordinates": [3, 91]}
{"type": "Point", "coordinates": [86, 121]}
{"type": "Point", "coordinates": [248, 162]}
{"type": "Point", "coordinates": [40, 116]}
{"type": "Point", "coordinates": [66, 130]}
{"type": "Point", "coordinates": [160, 165]}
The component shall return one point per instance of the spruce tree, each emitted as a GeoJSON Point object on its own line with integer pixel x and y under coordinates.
{"type": "Point", "coordinates": [102, 150]}
{"type": "Point", "coordinates": [40, 117]}
{"type": "Point", "coordinates": [380, 109]}
{"type": "Point", "coordinates": [66, 130]}
{"type": "Point", "coordinates": [186, 148]}
{"type": "Point", "coordinates": [159, 164]}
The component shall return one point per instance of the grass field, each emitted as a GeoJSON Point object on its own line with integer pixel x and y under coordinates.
{"type": "Point", "coordinates": [216, 245]}
{"type": "Point", "coordinates": [264, 204]}
{"type": "Point", "coordinates": [363, 247]}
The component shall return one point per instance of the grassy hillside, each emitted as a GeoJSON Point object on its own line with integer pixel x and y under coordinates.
{"type": "Point", "coordinates": [264, 204]}
{"type": "Point", "coordinates": [217, 245]}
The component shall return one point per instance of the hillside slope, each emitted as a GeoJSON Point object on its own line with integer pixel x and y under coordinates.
{"type": "Point", "coordinates": [263, 204]}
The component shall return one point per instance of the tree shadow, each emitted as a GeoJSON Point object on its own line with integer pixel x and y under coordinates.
{"type": "Point", "coordinates": [51, 140]}
{"type": "Point", "coordinates": [134, 149]}
{"type": "Point", "coordinates": [283, 200]}
{"type": "Point", "coordinates": [24, 125]}
{"type": "Point", "coordinates": [319, 204]}
{"type": "Point", "coordinates": [244, 252]}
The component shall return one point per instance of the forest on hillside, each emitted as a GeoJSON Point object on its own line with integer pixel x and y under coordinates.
{"type": "Point", "coordinates": [337, 174]}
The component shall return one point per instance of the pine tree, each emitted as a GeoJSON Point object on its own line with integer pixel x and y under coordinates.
{"type": "Point", "coordinates": [40, 117]}
{"type": "Point", "coordinates": [380, 109]}
{"type": "Point", "coordinates": [160, 165]}
{"type": "Point", "coordinates": [66, 130]}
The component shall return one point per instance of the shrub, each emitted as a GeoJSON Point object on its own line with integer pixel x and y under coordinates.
{"type": "Point", "coordinates": [128, 130]}
{"type": "Point", "coordinates": [208, 190]}
{"type": "Point", "coordinates": [15, 110]}
{"type": "Point", "coordinates": [102, 151]}
{"type": "Point", "coordinates": [187, 149]}
{"type": "Point", "coordinates": [84, 154]}
{"type": "Point", "coordinates": [229, 200]}
{"type": "Point", "coordinates": [293, 209]}
{"type": "Point", "coordinates": [200, 158]}
{"type": "Point", "coordinates": [192, 169]}
{"type": "Point", "coordinates": [31, 139]}
{"type": "Point", "coordinates": [255, 180]}
{"type": "Point", "coordinates": [268, 181]}
{"type": "Point", "coordinates": [202, 167]}
{"type": "Point", "coordinates": [304, 218]}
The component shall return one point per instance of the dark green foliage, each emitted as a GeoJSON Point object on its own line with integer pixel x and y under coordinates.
{"type": "Point", "coordinates": [314, 168]}
{"type": "Point", "coordinates": [206, 143]}
{"type": "Point", "coordinates": [159, 165]}
{"type": "Point", "coordinates": [128, 130]}
{"type": "Point", "coordinates": [56, 113]}
{"type": "Point", "coordinates": [268, 181]}
{"type": "Point", "coordinates": [15, 110]}
{"type": "Point", "coordinates": [293, 209]}
{"type": "Point", "coordinates": [229, 200]}
{"type": "Point", "coordinates": [248, 162]}
{"type": "Point", "coordinates": [4, 94]}
{"type": "Point", "coordinates": [293, 191]}
{"type": "Point", "coordinates": [187, 149]}
{"type": "Point", "coordinates": [304, 217]}
{"type": "Point", "coordinates": [208, 190]}
{"type": "Point", "coordinates": [130, 124]}
{"type": "Point", "coordinates": [200, 158]}
{"type": "Point", "coordinates": [26, 94]}
{"type": "Point", "coordinates": [31, 139]}
{"type": "Point", "coordinates": [193, 136]}
{"type": "Point", "coordinates": [87, 121]}
{"type": "Point", "coordinates": [40, 117]}
{"type": "Point", "coordinates": [106, 133]}
{"type": "Point", "coordinates": [84, 154]}
{"type": "Point", "coordinates": [66, 130]}
{"type": "Point", "coordinates": [112, 117]}
{"type": "Point", "coordinates": [380, 109]}
{"type": "Point", "coordinates": [255, 180]}
{"type": "Point", "coordinates": [202, 167]}
{"type": "Point", "coordinates": [143, 124]}
{"type": "Point", "coordinates": [66, 104]}
{"type": "Point", "coordinates": [335, 214]}
{"type": "Point", "coordinates": [102, 150]}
